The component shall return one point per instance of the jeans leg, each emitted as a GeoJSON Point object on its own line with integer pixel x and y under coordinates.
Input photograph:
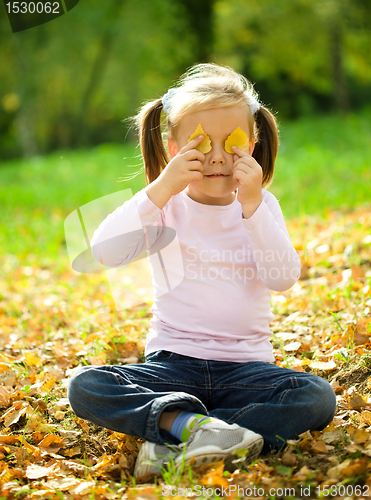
{"type": "Point", "coordinates": [276, 402]}
{"type": "Point", "coordinates": [130, 399]}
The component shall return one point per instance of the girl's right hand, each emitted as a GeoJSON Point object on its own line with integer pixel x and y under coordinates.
{"type": "Point", "coordinates": [185, 167]}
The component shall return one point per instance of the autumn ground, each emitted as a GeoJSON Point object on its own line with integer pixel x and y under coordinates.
{"type": "Point", "coordinates": [54, 319]}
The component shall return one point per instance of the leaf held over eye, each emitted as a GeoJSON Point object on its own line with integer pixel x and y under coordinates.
{"type": "Point", "coordinates": [237, 138]}
{"type": "Point", "coordinates": [205, 145]}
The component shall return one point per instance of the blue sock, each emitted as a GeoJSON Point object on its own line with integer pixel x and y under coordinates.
{"type": "Point", "coordinates": [178, 428]}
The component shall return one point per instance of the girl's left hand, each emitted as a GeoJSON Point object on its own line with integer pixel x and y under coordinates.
{"type": "Point", "coordinates": [249, 174]}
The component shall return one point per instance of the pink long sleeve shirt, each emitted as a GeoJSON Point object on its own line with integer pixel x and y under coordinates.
{"type": "Point", "coordinates": [212, 282]}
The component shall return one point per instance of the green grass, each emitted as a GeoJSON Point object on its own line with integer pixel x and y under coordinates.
{"type": "Point", "coordinates": [323, 163]}
{"type": "Point", "coordinates": [37, 194]}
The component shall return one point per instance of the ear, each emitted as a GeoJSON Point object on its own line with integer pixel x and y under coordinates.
{"type": "Point", "coordinates": [251, 146]}
{"type": "Point", "coordinates": [173, 148]}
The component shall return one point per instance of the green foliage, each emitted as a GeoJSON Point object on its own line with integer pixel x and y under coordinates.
{"type": "Point", "coordinates": [70, 82]}
{"type": "Point", "coordinates": [304, 55]}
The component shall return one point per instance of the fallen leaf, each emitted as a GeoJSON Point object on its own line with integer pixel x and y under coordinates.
{"type": "Point", "coordinates": [319, 447]}
{"type": "Point", "coordinates": [14, 413]}
{"type": "Point", "coordinates": [4, 397]}
{"type": "Point", "coordinates": [62, 484]}
{"type": "Point", "coordinates": [83, 488]}
{"type": "Point", "coordinates": [338, 389]}
{"type": "Point", "coordinates": [363, 326]}
{"type": "Point", "coordinates": [34, 471]}
{"type": "Point", "coordinates": [323, 365]}
{"type": "Point", "coordinates": [366, 417]}
{"type": "Point", "coordinates": [358, 272]}
{"type": "Point", "coordinates": [215, 476]}
{"type": "Point", "coordinates": [356, 402]}
{"type": "Point", "coordinates": [288, 458]}
{"type": "Point", "coordinates": [358, 435]}
{"type": "Point", "coordinates": [331, 437]}
{"type": "Point", "coordinates": [51, 443]}
{"type": "Point", "coordinates": [32, 359]}
{"type": "Point", "coordinates": [293, 346]}
{"type": "Point", "coordinates": [349, 468]}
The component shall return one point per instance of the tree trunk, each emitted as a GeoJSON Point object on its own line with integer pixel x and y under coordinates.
{"type": "Point", "coordinates": [200, 19]}
{"type": "Point", "coordinates": [340, 93]}
{"type": "Point", "coordinates": [24, 121]}
{"type": "Point", "coordinates": [97, 71]}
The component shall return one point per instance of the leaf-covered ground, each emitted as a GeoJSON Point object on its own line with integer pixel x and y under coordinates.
{"type": "Point", "coordinates": [53, 320]}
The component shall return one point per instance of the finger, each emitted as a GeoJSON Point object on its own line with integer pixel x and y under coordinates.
{"type": "Point", "coordinates": [249, 161]}
{"type": "Point", "coordinates": [194, 154]}
{"type": "Point", "coordinates": [242, 165]}
{"type": "Point", "coordinates": [192, 144]}
{"type": "Point", "coordinates": [196, 176]}
{"type": "Point", "coordinates": [240, 175]}
{"type": "Point", "coordinates": [239, 152]}
{"type": "Point", "coordinates": [195, 166]}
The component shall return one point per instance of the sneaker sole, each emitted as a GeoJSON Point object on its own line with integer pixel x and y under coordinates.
{"type": "Point", "coordinates": [142, 465]}
{"type": "Point", "coordinates": [208, 457]}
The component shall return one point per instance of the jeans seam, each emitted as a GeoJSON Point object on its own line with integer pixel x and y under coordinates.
{"type": "Point", "coordinates": [243, 411]}
{"type": "Point", "coordinates": [133, 380]}
{"type": "Point", "coordinates": [245, 386]}
{"type": "Point", "coordinates": [167, 382]}
{"type": "Point", "coordinates": [208, 385]}
{"type": "Point", "coordinates": [294, 385]}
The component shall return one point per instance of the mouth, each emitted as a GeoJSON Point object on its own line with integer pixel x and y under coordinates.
{"type": "Point", "coordinates": [217, 176]}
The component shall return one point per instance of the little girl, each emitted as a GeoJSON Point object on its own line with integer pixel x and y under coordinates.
{"type": "Point", "coordinates": [209, 383]}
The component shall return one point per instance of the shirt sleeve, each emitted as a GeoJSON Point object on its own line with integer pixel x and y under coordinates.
{"type": "Point", "coordinates": [125, 233]}
{"type": "Point", "coordinates": [277, 261]}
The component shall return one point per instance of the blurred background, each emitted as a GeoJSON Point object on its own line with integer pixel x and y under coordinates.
{"type": "Point", "coordinates": [67, 86]}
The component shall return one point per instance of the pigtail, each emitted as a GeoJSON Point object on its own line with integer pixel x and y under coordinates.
{"type": "Point", "coordinates": [266, 145]}
{"type": "Point", "coordinates": [150, 138]}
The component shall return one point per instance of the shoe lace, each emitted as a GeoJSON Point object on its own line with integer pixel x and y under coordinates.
{"type": "Point", "coordinates": [191, 437]}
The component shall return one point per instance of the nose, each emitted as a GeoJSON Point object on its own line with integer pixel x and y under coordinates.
{"type": "Point", "coordinates": [217, 157]}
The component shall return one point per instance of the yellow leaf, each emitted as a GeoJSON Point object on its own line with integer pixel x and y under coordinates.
{"type": "Point", "coordinates": [49, 384]}
{"type": "Point", "coordinates": [205, 145]}
{"type": "Point", "coordinates": [3, 367]}
{"type": "Point", "coordinates": [71, 452]}
{"type": "Point", "coordinates": [366, 417]}
{"type": "Point", "coordinates": [349, 468]}
{"type": "Point", "coordinates": [237, 138]}
{"type": "Point", "coordinates": [32, 360]}
{"type": "Point", "coordinates": [358, 435]}
{"type": "Point", "coordinates": [51, 443]}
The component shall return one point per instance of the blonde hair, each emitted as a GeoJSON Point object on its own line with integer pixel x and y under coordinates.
{"type": "Point", "coordinates": [202, 87]}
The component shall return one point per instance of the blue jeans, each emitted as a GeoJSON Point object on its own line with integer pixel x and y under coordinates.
{"type": "Point", "coordinates": [276, 402]}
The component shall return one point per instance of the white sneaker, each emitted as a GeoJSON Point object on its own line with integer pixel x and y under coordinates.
{"type": "Point", "coordinates": [218, 440]}
{"type": "Point", "coordinates": [152, 457]}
